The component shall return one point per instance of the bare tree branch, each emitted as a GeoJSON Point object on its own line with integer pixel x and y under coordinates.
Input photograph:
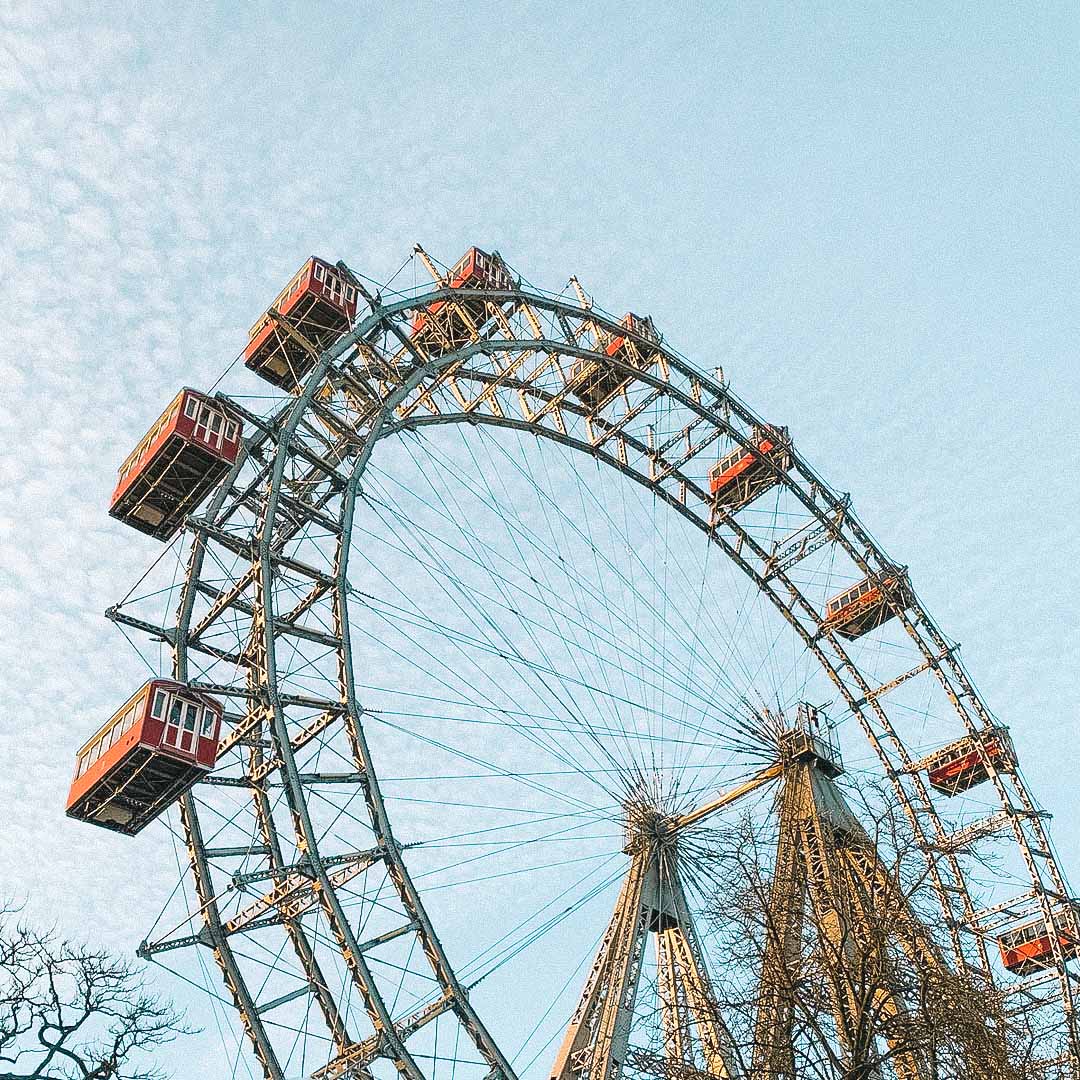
{"type": "Point", "coordinates": [69, 1012]}
{"type": "Point", "coordinates": [874, 997]}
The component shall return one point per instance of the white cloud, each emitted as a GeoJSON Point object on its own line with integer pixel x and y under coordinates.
{"type": "Point", "coordinates": [158, 181]}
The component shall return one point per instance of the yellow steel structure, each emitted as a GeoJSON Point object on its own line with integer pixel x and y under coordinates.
{"type": "Point", "coordinates": [268, 601]}
{"type": "Point", "coordinates": [829, 872]}
{"type": "Point", "coordinates": [828, 869]}
{"type": "Point", "coordinates": [652, 901]}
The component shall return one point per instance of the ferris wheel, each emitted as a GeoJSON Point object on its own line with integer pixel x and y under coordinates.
{"type": "Point", "coordinates": [490, 626]}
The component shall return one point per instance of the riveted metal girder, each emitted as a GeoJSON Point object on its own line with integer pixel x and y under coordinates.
{"type": "Point", "coordinates": [268, 575]}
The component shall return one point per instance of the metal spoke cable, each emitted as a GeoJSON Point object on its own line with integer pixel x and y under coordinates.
{"type": "Point", "coordinates": [468, 601]}
{"type": "Point", "coordinates": [572, 525]}
{"type": "Point", "coordinates": [631, 703]}
{"type": "Point", "coordinates": [483, 613]}
{"type": "Point", "coordinates": [544, 566]}
{"type": "Point", "coordinates": [481, 671]}
{"type": "Point", "coordinates": [543, 552]}
{"type": "Point", "coordinates": [575, 655]}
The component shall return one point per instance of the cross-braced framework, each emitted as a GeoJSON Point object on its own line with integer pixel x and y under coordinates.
{"type": "Point", "coordinates": [830, 883]}
{"type": "Point", "coordinates": [891, 993]}
{"type": "Point", "coordinates": [304, 894]}
{"type": "Point", "coordinates": [653, 902]}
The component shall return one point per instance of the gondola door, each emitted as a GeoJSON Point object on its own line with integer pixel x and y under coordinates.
{"type": "Point", "coordinates": [335, 289]}
{"type": "Point", "coordinates": [180, 727]}
{"type": "Point", "coordinates": [187, 730]}
{"type": "Point", "coordinates": [209, 426]}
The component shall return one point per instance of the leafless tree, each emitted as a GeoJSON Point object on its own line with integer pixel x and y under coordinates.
{"type": "Point", "coordinates": [907, 1012]}
{"type": "Point", "coordinates": [69, 1012]}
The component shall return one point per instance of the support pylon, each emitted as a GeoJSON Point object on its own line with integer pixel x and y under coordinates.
{"type": "Point", "coordinates": [831, 889]}
{"type": "Point", "coordinates": [829, 873]}
{"type": "Point", "coordinates": [813, 877]}
{"type": "Point", "coordinates": [652, 901]}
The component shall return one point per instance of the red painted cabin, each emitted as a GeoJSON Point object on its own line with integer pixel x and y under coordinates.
{"type": "Point", "coordinates": [442, 326]}
{"type": "Point", "coordinates": [163, 740]}
{"type": "Point", "coordinates": [965, 763]}
{"type": "Point", "coordinates": [179, 461]}
{"type": "Point", "coordinates": [636, 324]}
{"type": "Point", "coordinates": [867, 605]}
{"type": "Point", "coordinates": [741, 476]}
{"type": "Point", "coordinates": [320, 304]}
{"type": "Point", "coordinates": [595, 384]}
{"type": "Point", "coordinates": [1029, 948]}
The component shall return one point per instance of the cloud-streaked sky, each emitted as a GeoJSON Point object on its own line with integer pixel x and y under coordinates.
{"type": "Point", "coordinates": [865, 213]}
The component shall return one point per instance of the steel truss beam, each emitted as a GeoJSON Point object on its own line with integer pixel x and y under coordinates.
{"type": "Point", "coordinates": [652, 900]}
{"type": "Point", "coordinates": [829, 876]}
{"type": "Point", "coordinates": [294, 482]}
{"type": "Point", "coordinates": [597, 1041]}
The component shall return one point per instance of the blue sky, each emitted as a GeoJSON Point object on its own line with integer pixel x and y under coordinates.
{"type": "Point", "coordinates": [865, 213]}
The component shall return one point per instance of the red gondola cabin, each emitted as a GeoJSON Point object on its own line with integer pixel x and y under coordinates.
{"type": "Point", "coordinates": [741, 476]}
{"type": "Point", "coordinates": [444, 326]}
{"type": "Point", "coordinates": [320, 305]}
{"type": "Point", "coordinates": [594, 383]}
{"type": "Point", "coordinates": [179, 461]}
{"type": "Point", "coordinates": [965, 763]}
{"type": "Point", "coordinates": [146, 756]}
{"type": "Point", "coordinates": [865, 606]}
{"type": "Point", "coordinates": [1029, 948]}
